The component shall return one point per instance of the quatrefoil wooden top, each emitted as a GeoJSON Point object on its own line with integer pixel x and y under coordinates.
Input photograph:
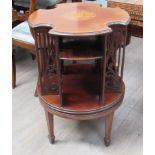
{"type": "Point", "coordinates": [79, 19]}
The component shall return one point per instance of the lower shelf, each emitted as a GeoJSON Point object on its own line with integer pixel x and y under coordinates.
{"type": "Point", "coordinates": [81, 96]}
{"type": "Point", "coordinates": [81, 55]}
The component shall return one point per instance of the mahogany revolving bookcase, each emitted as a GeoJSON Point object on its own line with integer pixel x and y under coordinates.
{"type": "Point", "coordinates": [80, 32]}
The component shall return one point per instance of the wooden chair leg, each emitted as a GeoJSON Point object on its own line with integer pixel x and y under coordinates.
{"type": "Point", "coordinates": [13, 71]}
{"type": "Point", "coordinates": [33, 56]}
{"type": "Point", "coordinates": [50, 124]}
{"type": "Point", "coordinates": [108, 128]}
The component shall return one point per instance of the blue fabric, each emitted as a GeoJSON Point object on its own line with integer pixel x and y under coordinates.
{"type": "Point", "coordinates": [103, 3]}
{"type": "Point", "coordinates": [22, 32]}
{"type": "Point", "coordinates": [40, 4]}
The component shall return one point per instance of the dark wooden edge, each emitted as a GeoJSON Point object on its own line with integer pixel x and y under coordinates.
{"type": "Point", "coordinates": [84, 116]}
{"type": "Point", "coordinates": [94, 33]}
{"type": "Point", "coordinates": [23, 45]}
{"type": "Point", "coordinates": [91, 114]}
{"type": "Point", "coordinates": [77, 35]}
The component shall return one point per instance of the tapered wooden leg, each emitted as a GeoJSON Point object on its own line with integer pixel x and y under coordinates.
{"type": "Point", "coordinates": [13, 71]}
{"type": "Point", "coordinates": [50, 124]}
{"type": "Point", "coordinates": [36, 93]}
{"type": "Point", "coordinates": [33, 56]}
{"type": "Point", "coordinates": [108, 128]}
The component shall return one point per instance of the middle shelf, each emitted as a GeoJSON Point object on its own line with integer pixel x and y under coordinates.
{"type": "Point", "coordinates": [81, 49]}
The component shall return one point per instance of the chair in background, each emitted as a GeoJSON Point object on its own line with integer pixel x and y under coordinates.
{"type": "Point", "coordinates": [40, 4]}
{"type": "Point", "coordinates": [135, 10]}
{"type": "Point", "coordinates": [21, 35]}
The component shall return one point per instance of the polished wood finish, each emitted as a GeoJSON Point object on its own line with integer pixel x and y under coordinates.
{"type": "Point", "coordinates": [81, 98]}
{"type": "Point", "coordinates": [25, 45]}
{"type": "Point", "coordinates": [108, 128]}
{"type": "Point", "coordinates": [79, 19]}
{"type": "Point", "coordinates": [50, 125]}
{"type": "Point", "coordinates": [80, 95]}
{"type": "Point", "coordinates": [81, 49]}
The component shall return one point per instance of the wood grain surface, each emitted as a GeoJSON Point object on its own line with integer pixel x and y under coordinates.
{"type": "Point", "coordinates": [79, 19]}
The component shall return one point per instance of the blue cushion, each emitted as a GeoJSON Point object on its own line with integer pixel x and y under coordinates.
{"type": "Point", "coordinates": [22, 32]}
{"type": "Point", "coordinates": [102, 3]}
{"type": "Point", "coordinates": [40, 4]}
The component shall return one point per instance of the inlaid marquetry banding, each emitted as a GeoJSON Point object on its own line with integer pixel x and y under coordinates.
{"type": "Point", "coordinates": [79, 19]}
{"type": "Point", "coordinates": [81, 15]}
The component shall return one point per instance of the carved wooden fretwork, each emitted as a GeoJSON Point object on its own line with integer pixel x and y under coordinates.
{"type": "Point", "coordinates": [115, 58]}
{"type": "Point", "coordinates": [46, 60]}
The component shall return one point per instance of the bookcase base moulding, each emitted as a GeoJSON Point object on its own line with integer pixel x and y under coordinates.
{"type": "Point", "coordinates": [81, 106]}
